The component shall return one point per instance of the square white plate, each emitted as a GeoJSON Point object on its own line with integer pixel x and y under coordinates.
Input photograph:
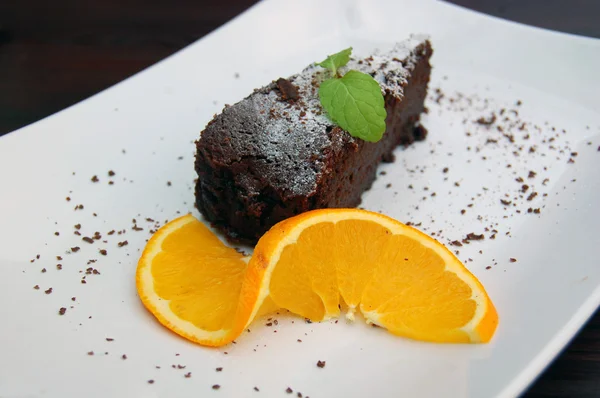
{"type": "Point", "coordinates": [141, 127]}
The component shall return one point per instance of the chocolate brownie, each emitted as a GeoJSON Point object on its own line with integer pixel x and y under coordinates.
{"type": "Point", "coordinates": [276, 154]}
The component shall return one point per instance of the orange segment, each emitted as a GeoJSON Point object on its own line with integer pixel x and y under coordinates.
{"type": "Point", "coordinates": [191, 281]}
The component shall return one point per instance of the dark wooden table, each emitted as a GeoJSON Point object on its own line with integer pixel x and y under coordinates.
{"type": "Point", "coordinates": [54, 54]}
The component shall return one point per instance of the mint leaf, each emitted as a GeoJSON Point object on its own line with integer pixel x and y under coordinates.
{"type": "Point", "coordinates": [355, 103]}
{"type": "Point", "coordinates": [337, 60]}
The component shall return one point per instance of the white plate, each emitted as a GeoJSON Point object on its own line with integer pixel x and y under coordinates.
{"type": "Point", "coordinates": [542, 299]}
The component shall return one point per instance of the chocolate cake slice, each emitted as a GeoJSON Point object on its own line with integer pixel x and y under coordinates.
{"type": "Point", "coordinates": [276, 154]}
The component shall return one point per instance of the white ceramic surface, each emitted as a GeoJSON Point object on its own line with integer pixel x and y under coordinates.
{"type": "Point", "coordinates": [141, 127]}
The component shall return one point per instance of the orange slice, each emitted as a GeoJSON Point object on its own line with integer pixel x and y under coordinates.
{"type": "Point", "coordinates": [190, 281]}
{"type": "Point", "coordinates": [312, 264]}
{"type": "Point", "coordinates": [398, 277]}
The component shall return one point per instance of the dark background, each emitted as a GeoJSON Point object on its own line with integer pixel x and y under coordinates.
{"type": "Point", "coordinates": [56, 53]}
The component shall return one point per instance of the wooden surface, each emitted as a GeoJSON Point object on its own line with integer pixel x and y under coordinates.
{"type": "Point", "coordinates": [54, 54]}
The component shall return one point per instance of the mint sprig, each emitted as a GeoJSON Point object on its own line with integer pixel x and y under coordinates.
{"type": "Point", "coordinates": [354, 101]}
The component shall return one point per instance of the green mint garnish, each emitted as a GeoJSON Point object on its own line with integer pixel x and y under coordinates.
{"type": "Point", "coordinates": [337, 60]}
{"type": "Point", "coordinates": [354, 102]}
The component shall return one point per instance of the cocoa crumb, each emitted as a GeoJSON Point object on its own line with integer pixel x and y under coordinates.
{"type": "Point", "coordinates": [49, 291]}
{"type": "Point", "coordinates": [188, 375]}
{"type": "Point", "coordinates": [95, 179]}
{"type": "Point", "coordinates": [288, 91]}
{"type": "Point", "coordinates": [321, 364]}
{"type": "Point", "coordinates": [37, 287]}
{"type": "Point", "coordinates": [487, 121]}
{"type": "Point", "coordinates": [87, 239]}
{"type": "Point", "coordinates": [219, 369]}
{"type": "Point", "coordinates": [474, 236]}
{"type": "Point", "coordinates": [103, 252]}
{"type": "Point", "coordinates": [216, 386]}
{"type": "Point", "coordinates": [124, 243]}
{"type": "Point", "coordinates": [150, 381]}
{"type": "Point", "coordinates": [111, 173]}
{"type": "Point", "coordinates": [90, 353]}
{"type": "Point", "coordinates": [445, 170]}
{"type": "Point", "coordinates": [123, 356]}
{"type": "Point", "coordinates": [532, 196]}
{"type": "Point", "coordinates": [59, 266]}
{"type": "Point", "coordinates": [513, 260]}
{"type": "Point", "coordinates": [289, 390]}
{"type": "Point", "coordinates": [488, 267]}
{"type": "Point", "coordinates": [62, 311]}
{"type": "Point", "coordinates": [456, 243]}
{"type": "Point", "coordinates": [256, 389]}
{"type": "Point", "coordinates": [110, 339]}
{"type": "Point", "coordinates": [532, 174]}
{"type": "Point", "coordinates": [505, 202]}
{"type": "Point", "coordinates": [43, 270]}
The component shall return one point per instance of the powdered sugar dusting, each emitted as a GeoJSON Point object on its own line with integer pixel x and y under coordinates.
{"type": "Point", "coordinates": [290, 138]}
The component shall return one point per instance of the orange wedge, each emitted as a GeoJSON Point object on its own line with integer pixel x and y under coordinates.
{"type": "Point", "coordinates": [312, 264]}
{"type": "Point", "coordinates": [398, 277]}
{"type": "Point", "coordinates": [190, 281]}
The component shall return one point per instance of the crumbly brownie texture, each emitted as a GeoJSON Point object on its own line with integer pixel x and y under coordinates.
{"type": "Point", "coordinates": [276, 154]}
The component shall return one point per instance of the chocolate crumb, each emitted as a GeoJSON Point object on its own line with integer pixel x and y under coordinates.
{"type": "Point", "coordinates": [321, 364]}
{"type": "Point", "coordinates": [43, 270]}
{"type": "Point", "coordinates": [505, 202]}
{"type": "Point", "coordinates": [288, 91]}
{"type": "Point", "coordinates": [188, 375]}
{"type": "Point", "coordinates": [256, 389]}
{"type": "Point", "coordinates": [48, 291]}
{"type": "Point", "coordinates": [474, 236]}
{"type": "Point", "coordinates": [289, 390]}
{"type": "Point", "coordinates": [110, 339]}
{"type": "Point", "coordinates": [150, 381]}
{"type": "Point", "coordinates": [456, 243]}
{"type": "Point", "coordinates": [216, 386]}
{"type": "Point", "coordinates": [487, 121]}
{"type": "Point", "coordinates": [95, 179]}
{"type": "Point", "coordinates": [219, 369]}
{"type": "Point", "coordinates": [37, 287]}
{"type": "Point", "coordinates": [513, 260]}
{"type": "Point", "coordinates": [90, 353]}
{"type": "Point", "coordinates": [103, 252]}
{"type": "Point", "coordinates": [87, 239]}
{"type": "Point", "coordinates": [445, 170]}
{"type": "Point", "coordinates": [111, 173]}
{"type": "Point", "coordinates": [62, 311]}
{"type": "Point", "coordinates": [169, 183]}
{"type": "Point", "coordinates": [123, 356]}
{"type": "Point", "coordinates": [124, 243]}
{"type": "Point", "coordinates": [532, 196]}
{"type": "Point", "coordinates": [59, 266]}
{"type": "Point", "coordinates": [75, 249]}
{"type": "Point", "coordinates": [488, 267]}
